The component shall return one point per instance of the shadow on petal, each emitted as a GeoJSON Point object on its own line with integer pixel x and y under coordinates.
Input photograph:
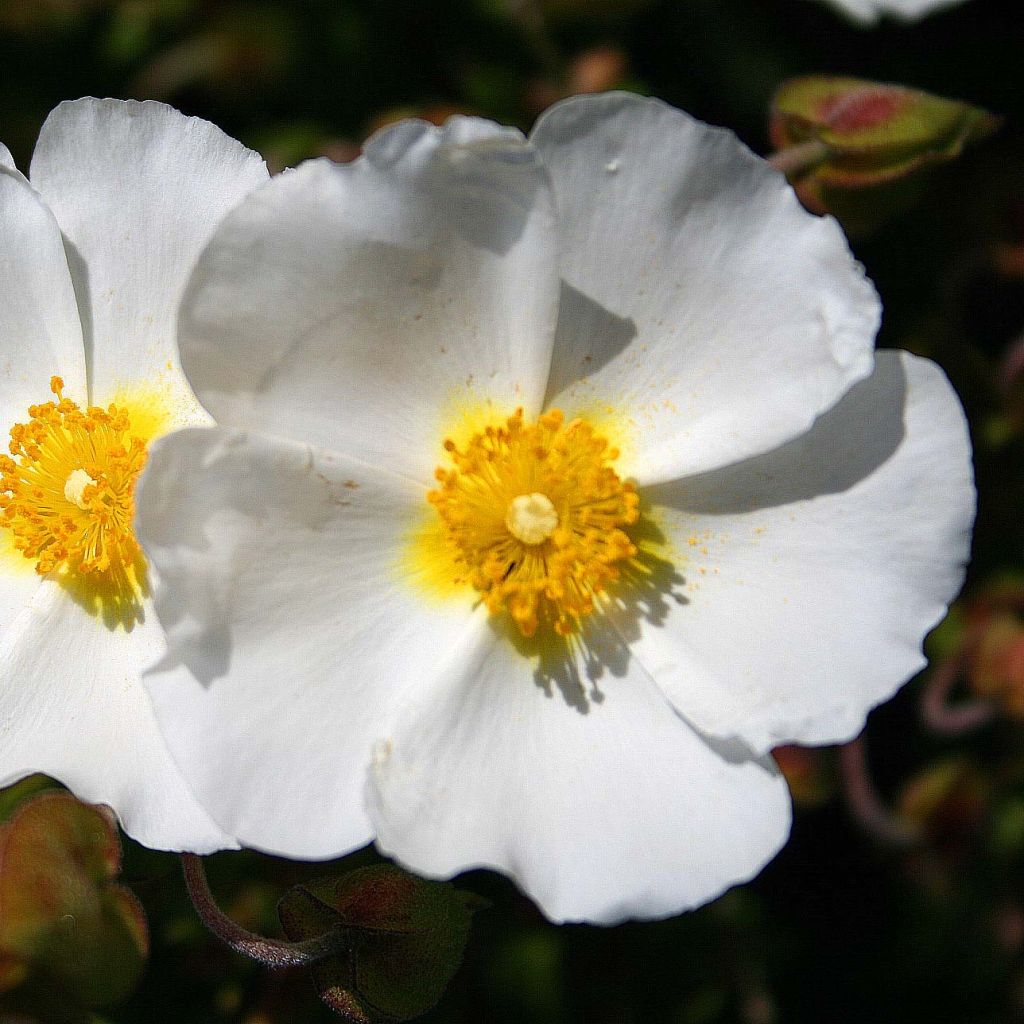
{"type": "Point", "coordinates": [80, 282]}
{"type": "Point", "coordinates": [587, 338]}
{"type": "Point", "coordinates": [801, 469]}
{"type": "Point", "coordinates": [575, 665]}
{"type": "Point", "coordinates": [114, 597]}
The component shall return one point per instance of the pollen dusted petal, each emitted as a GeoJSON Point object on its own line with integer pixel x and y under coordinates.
{"type": "Point", "coordinates": [877, 502]}
{"type": "Point", "coordinates": [700, 298]}
{"type": "Point", "coordinates": [255, 686]}
{"type": "Point", "coordinates": [338, 287]}
{"type": "Point", "coordinates": [535, 515]}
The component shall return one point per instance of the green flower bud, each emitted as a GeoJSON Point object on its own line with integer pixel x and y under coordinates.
{"type": "Point", "coordinates": [855, 134]}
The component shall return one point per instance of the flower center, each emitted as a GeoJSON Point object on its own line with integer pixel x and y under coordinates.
{"type": "Point", "coordinates": [67, 495]}
{"type": "Point", "coordinates": [531, 518]}
{"type": "Point", "coordinates": [75, 485]}
{"type": "Point", "coordinates": [535, 514]}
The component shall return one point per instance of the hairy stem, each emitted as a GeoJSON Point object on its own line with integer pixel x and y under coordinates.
{"type": "Point", "coordinates": [269, 952]}
{"type": "Point", "coordinates": [952, 719]}
{"type": "Point", "coordinates": [863, 800]}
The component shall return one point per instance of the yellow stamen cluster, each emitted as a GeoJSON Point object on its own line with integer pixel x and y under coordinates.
{"type": "Point", "coordinates": [535, 514]}
{"type": "Point", "coordinates": [67, 495]}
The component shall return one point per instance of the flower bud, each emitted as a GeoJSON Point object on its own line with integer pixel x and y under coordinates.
{"type": "Point", "coordinates": [63, 920]}
{"type": "Point", "coordinates": [870, 133]}
{"type": "Point", "coordinates": [407, 938]}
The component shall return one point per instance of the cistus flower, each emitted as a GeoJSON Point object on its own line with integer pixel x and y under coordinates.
{"type": "Point", "coordinates": [95, 250]}
{"type": "Point", "coordinates": [870, 11]}
{"type": "Point", "coordinates": [555, 483]}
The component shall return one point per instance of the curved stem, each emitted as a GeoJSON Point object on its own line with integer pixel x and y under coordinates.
{"type": "Point", "coordinates": [269, 952]}
{"type": "Point", "coordinates": [952, 720]}
{"type": "Point", "coordinates": [864, 802]}
{"type": "Point", "coordinates": [796, 161]}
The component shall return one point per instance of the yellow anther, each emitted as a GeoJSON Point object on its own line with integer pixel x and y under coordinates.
{"type": "Point", "coordinates": [535, 515]}
{"type": "Point", "coordinates": [68, 492]}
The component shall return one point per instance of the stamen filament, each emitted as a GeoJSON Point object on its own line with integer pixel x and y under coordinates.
{"type": "Point", "coordinates": [67, 488]}
{"type": "Point", "coordinates": [535, 515]}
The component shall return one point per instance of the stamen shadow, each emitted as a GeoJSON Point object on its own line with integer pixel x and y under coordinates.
{"type": "Point", "coordinates": [872, 411]}
{"type": "Point", "coordinates": [575, 665]}
{"type": "Point", "coordinates": [115, 598]}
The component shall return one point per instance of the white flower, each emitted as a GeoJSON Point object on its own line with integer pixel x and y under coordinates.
{"type": "Point", "coordinates": [869, 12]}
{"type": "Point", "coordinates": [94, 255]}
{"type": "Point", "coordinates": [359, 649]}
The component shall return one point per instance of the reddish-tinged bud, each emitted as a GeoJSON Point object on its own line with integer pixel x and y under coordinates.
{"type": "Point", "coordinates": [63, 919]}
{"type": "Point", "coordinates": [869, 133]}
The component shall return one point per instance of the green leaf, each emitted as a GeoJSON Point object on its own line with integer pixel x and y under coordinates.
{"type": "Point", "coordinates": [407, 937]}
{"type": "Point", "coordinates": [61, 915]}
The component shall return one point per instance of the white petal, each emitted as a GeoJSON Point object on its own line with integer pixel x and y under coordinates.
{"type": "Point", "coordinates": [40, 336]}
{"type": "Point", "coordinates": [137, 189]}
{"type": "Point", "coordinates": [700, 299]}
{"type": "Point", "coordinates": [18, 581]}
{"type": "Point", "coordinates": [869, 11]}
{"type": "Point", "coordinates": [813, 573]}
{"type": "Point", "coordinates": [40, 332]}
{"type": "Point", "coordinates": [352, 306]}
{"type": "Point", "coordinates": [291, 623]}
{"type": "Point", "coordinates": [864, 11]}
{"type": "Point", "coordinates": [591, 792]}
{"type": "Point", "coordinates": [72, 705]}
{"type": "Point", "coordinates": [7, 161]}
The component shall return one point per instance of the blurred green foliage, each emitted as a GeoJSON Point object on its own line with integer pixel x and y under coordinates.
{"type": "Point", "coordinates": [842, 926]}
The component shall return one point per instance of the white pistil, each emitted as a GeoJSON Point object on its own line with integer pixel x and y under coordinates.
{"type": "Point", "coordinates": [75, 485]}
{"type": "Point", "coordinates": [531, 518]}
